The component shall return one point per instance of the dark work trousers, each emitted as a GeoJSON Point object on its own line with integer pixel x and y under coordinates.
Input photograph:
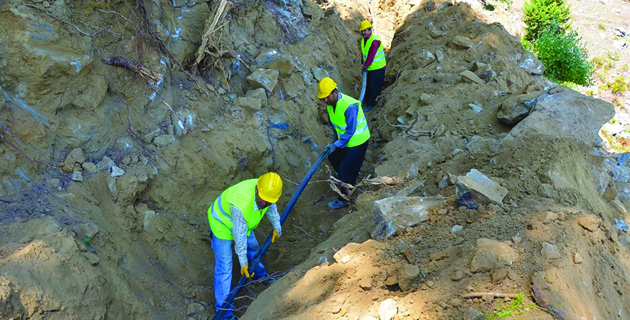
{"type": "Point", "coordinates": [347, 162]}
{"type": "Point", "coordinates": [373, 87]}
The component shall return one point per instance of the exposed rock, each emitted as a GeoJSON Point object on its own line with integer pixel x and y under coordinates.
{"type": "Point", "coordinates": [319, 73]}
{"type": "Point", "coordinates": [407, 275]}
{"type": "Point", "coordinates": [577, 258]}
{"type": "Point", "coordinates": [469, 77]}
{"type": "Point", "coordinates": [563, 114]}
{"type": "Point", "coordinates": [529, 62]}
{"type": "Point", "coordinates": [429, 5]}
{"type": "Point", "coordinates": [264, 78]}
{"type": "Point", "coordinates": [89, 167]}
{"type": "Point", "coordinates": [462, 42]}
{"type": "Point", "coordinates": [164, 140]}
{"type": "Point", "coordinates": [422, 59]}
{"type": "Point", "coordinates": [473, 314]}
{"type": "Point", "coordinates": [483, 189]}
{"type": "Point", "coordinates": [499, 275]}
{"type": "Point", "coordinates": [516, 108]}
{"type": "Point", "coordinates": [117, 172]}
{"type": "Point", "coordinates": [77, 175]}
{"type": "Point", "coordinates": [398, 213]}
{"type": "Point", "coordinates": [550, 251]}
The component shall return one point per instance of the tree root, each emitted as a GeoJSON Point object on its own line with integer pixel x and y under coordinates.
{"type": "Point", "coordinates": [494, 294]}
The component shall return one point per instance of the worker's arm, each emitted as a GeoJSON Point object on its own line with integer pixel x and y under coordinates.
{"type": "Point", "coordinates": [371, 54]}
{"type": "Point", "coordinates": [239, 232]}
{"type": "Point", "coordinates": [351, 125]}
{"type": "Point", "coordinates": [274, 218]}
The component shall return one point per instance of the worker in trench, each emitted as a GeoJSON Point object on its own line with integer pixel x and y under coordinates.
{"type": "Point", "coordinates": [233, 217]}
{"type": "Point", "coordinates": [374, 64]}
{"type": "Point", "coordinates": [351, 134]}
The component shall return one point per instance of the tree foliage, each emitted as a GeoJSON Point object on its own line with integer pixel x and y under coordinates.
{"type": "Point", "coordinates": [564, 57]}
{"type": "Point", "coordinates": [538, 14]}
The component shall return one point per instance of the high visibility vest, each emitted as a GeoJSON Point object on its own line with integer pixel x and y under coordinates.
{"type": "Point", "coordinates": [338, 120]}
{"type": "Point", "coordinates": [379, 58]}
{"type": "Point", "coordinates": [242, 196]}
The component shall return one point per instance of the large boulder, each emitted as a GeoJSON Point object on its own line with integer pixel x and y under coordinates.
{"type": "Point", "coordinates": [563, 113]}
{"type": "Point", "coordinates": [398, 213]}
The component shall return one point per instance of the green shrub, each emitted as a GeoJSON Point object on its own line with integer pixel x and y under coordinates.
{"type": "Point", "coordinates": [538, 14]}
{"type": "Point", "coordinates": [563, 55]}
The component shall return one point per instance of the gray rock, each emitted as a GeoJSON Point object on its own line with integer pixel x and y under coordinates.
{"type": "Point", "coordinates": [422, 59]}
{"type": "Point", "coordinates": [77, 155]}
{"type": "Point", "coordinates": [148, 138]}
{"type": "Point", "coordinates": [105, 163]}
{"type": "Point", "coordinates": [529, 62]}
{"type": "Point", "coordinates": [439, 55]}
{"type": "Point", "coordinates": [482, 187]}
{"type": "Point", "coordinates": [469, 77]}
{"type": "Point", "coordinates": [456, 228]}
{"type": "Point", "coordinates": [473, 314]}
{"type": "Point", "coordinates": [182, 120]}
{"type": "Point", "coordinates": [193, 309]}
{"type": "Point", "coordinates": [266, 56]}
{"type": "Point", "coordinates": [264, 78]}
{"type": "Point", "coordinates": [426, 99]}
{"type": "Point", "coordinates": [77, 176]}
{"type": "Point", "coordinates": [620, 173]}
{"type": "Point", "coordinates": [319, 73]}
{"type": "Point", "coordinates": [407, 275]}
{"type": "Point", "coordinates": [164, 140]}
{"type": "Point", "coordinates": [429, 5]}
{"type": "Point", "coordinates": [398, 213]}
{"type": "Point", "coordinates": [516, 108]}
{"type": "Point", "coordinates": [89, 167]}
{"type": "Point", "coordinates": [550, 251]}
{"type": "Point", "coordinates": [563, 114]}
{"type": "Point", "coordinates": [462, 42]}
{"type": "Point", "coordinates": [117, 172]}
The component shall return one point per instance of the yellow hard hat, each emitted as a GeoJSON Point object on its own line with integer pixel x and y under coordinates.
{"type": "Point", "coordinates": [325, 87]}
{"type": "Point", "coordinates": [269, 187]}
{"type": "Point", "coordinates": [364, 25]}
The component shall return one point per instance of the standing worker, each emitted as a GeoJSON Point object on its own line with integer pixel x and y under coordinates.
{"type": "Point", "coordinates": [373, 62]}
{"type": "Point", "coordinates": [351, 132]}
{"type": "Point", "coordinates": [233, 217]}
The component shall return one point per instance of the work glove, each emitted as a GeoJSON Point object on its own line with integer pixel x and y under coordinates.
{"type": "Point", "coordinates": [332, 147]}
{"type": "Point", "coordinates": [274, 236]}
{"type": "Point", "coordinates": [244, 272]}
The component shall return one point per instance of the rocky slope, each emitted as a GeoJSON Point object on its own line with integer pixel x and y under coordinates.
{"type": "Point", "coordinates": [122, 121]}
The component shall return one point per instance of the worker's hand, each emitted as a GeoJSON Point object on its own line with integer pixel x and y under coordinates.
{"type": "Point", "coordinates": [274, 236]}
{"type": "Point", "coordinates": [332, 147]}
{"type": "Point", "coordinates": [244, 272]}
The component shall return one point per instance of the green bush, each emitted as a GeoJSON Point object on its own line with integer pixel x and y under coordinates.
{"type": "Point", "coordinates": [538, 14]}
{"type": "Point", "coordinates": [563, 55]}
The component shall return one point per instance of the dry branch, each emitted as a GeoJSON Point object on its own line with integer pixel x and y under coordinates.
{"type": "Point", "coordinates": [133, 66]}
{"type": "Point", "coordinates": [494, 294]}
{"type": "Point", "coordinates": [408, 129]}
{"type": "Point", "coordinates": [68, 23]}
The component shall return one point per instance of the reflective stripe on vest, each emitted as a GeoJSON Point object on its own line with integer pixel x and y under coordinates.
{"type": "Point", "coordinates": [379, 58]}
{"type": "Point", "coordinates": [242, 195]}
{"type": "Point", "coordinates": [338, 120]}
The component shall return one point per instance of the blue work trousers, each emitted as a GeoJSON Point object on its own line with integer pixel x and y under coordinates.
{"type": "Point", "coordinates": [223, 268]}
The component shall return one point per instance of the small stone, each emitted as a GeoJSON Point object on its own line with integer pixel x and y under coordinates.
{"type": "Point", "coordinates": [517, 238]}
{"type": "Point", "coordinates": [89, 167]}
{"type": "Point", "coordinates": [550, 251]}
{"type": "Point", "coordinates": [589, 222]}
{"type": "Point", "coordinates": [458, 275]}
{"type": "Point", "coordinates": [117, 172]}
{"type": "Point", "coordinates": [455, 302]}
{"type": "Point", "coordinates": [365, 283]}
{"type": "Point", "coordinates": [193, 309]}
{"type": "Point", "coordinates": [499, 275]}
{"type": "Point", "coordinates": [550, 217]}
{"type": "Point", "coordinates": [430, 284]}
{"type": "Point", "coordinates": [456, 228]}
{"type": "Point", "coordinates": [77, 176]}
{"type": "Point", "coordinates": [443, 211]}
{"type": "Point", "coordinates": [577, 258]}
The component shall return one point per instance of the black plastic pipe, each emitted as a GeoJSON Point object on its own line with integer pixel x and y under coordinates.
{"type": "Point", "coordinates": [263, 249]}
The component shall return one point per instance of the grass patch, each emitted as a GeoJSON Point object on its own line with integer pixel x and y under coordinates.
{"type": "Point", "coordinates": [515, 307]}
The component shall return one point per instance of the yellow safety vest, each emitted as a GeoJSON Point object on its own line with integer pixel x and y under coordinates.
{"type": "Point", "coordinates": [379, 58]}
{"type": "Point", "coordinates": [338, 120]}
{"type": "Point", "coordinates": [242, 196]}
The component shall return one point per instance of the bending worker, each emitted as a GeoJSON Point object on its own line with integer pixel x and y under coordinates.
{"type": "Point", "coordinates": [351, 134]}
{"type": "Point", "coordinates": [233, 217]}
{"type": "Point", "coordinates": [373, 62]}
